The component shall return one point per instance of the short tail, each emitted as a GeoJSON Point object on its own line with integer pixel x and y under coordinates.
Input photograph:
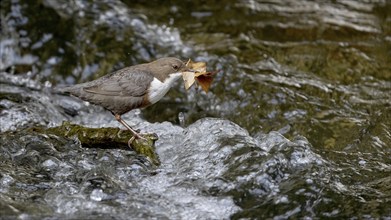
{"type": "Point", "coordinates": [62, 90]}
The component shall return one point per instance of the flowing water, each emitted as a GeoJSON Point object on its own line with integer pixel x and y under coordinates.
{"type": "Point", "coordinates": [297, 123]}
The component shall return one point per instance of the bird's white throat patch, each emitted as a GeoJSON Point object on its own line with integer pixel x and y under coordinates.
{"type": "Point", "coordinates": [158, 88]}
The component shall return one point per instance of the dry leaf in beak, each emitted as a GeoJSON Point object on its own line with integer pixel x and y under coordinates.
{"type": "Point", "coordinates": [198, 74]}
{"type": "Point", "coordinates": [189, 79]}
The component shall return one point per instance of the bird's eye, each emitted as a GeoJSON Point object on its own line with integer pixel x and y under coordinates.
{"type": "Point", "coordinates": [175, 66]}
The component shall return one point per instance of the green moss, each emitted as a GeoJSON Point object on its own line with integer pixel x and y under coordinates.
{"type": "Point", "coordinates": [105, 138]}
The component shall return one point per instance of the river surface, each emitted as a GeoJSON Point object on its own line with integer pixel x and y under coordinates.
{"type": "Point", "coordinates": [297, 123]}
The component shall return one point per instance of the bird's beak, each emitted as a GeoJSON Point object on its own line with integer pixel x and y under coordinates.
{"type": "Point", "coordinates": [190, 70]}
{"type": "Point", "coordinates": [187, 69]}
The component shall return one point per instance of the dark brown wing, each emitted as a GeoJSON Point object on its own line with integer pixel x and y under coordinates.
{"type": "Point", "coordinates": [123, 83]}
{"type": "Point", "coordinates": [118, 92]}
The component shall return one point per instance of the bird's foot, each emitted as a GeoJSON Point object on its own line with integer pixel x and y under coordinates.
{"type": "Point", "coordinates": [130, 142]}
{"type": "Point", "coordinates": [135, 136]}
{"type": "Point", "coordinates": [145, 137]}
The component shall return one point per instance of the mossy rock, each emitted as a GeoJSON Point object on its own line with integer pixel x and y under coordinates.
{"type": "Point", "coordinates": [105, 138]}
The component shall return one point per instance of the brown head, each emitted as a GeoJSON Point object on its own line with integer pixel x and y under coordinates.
{"type": "Point", "coordinates": [163, 67]}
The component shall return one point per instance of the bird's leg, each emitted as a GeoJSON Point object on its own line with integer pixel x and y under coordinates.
{"type": "Point", "coordinates": [135, 134]}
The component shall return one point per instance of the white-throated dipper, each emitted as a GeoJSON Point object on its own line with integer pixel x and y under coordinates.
{"type": "Point", "coordinates": [131, 87]}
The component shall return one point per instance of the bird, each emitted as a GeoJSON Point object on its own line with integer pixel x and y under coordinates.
{"type": "Point", "coordinates": [132, 87]}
